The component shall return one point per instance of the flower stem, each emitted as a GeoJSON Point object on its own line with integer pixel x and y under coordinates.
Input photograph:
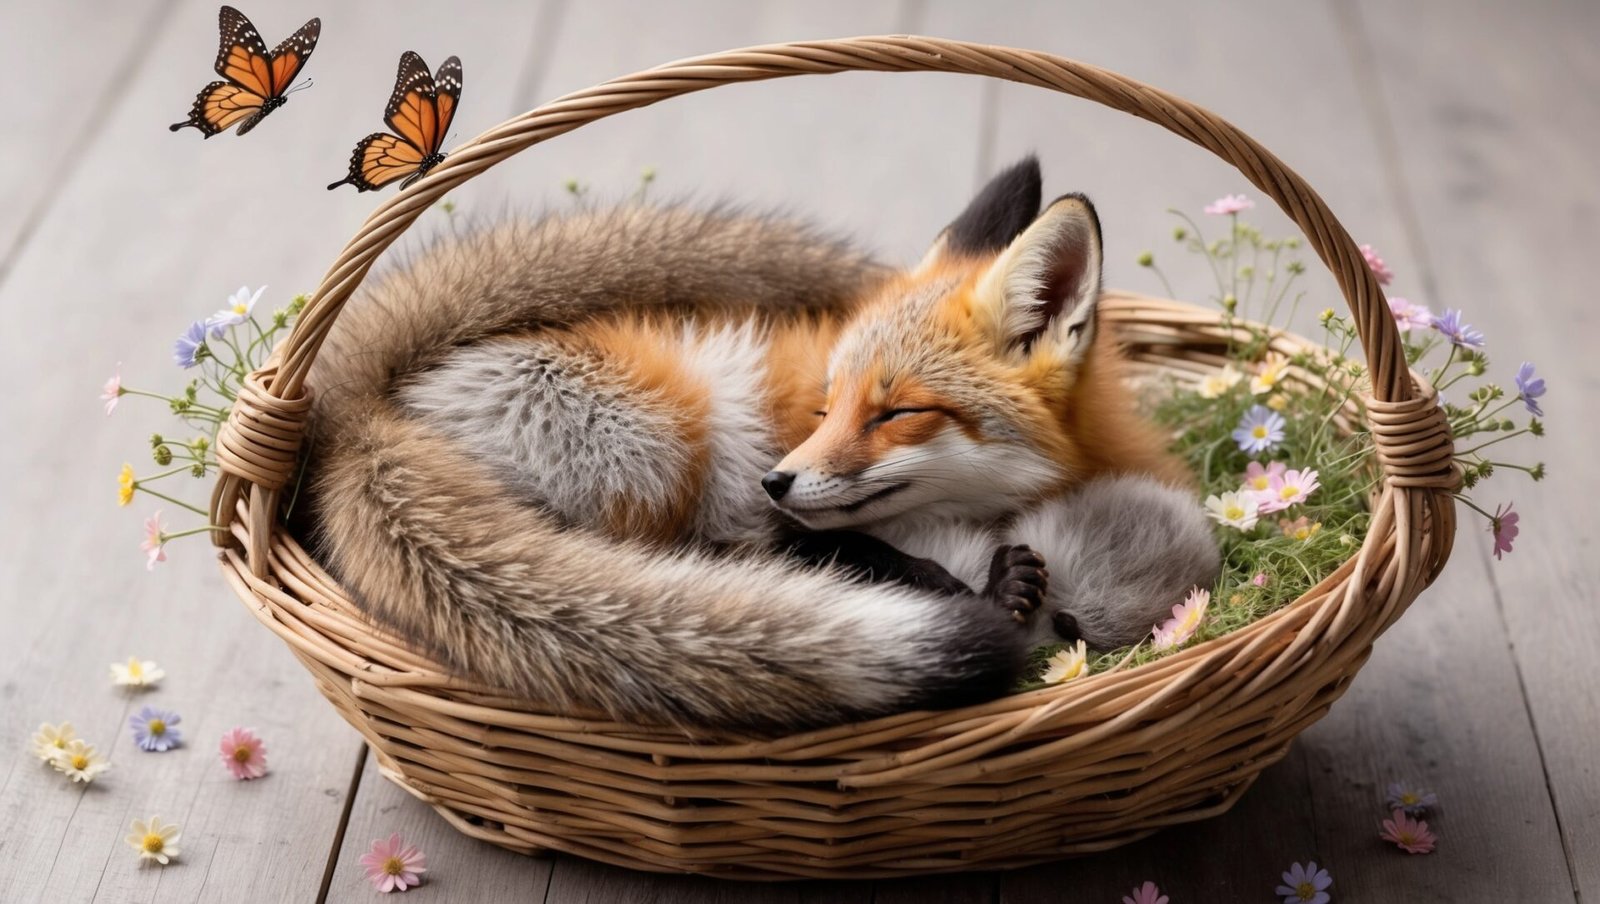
{"type": "Point", "coordinates": [177, 502]}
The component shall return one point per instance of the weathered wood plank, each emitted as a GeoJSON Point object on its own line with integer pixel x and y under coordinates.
{"type": "Point", "coordinates": [1494, 127]}
{"type": "Point", "coordinates": [1298, 95]}
{"type": "Point", "coordinates": [67, 65]}
{"type": "Point", "coordinates": [151, 230]}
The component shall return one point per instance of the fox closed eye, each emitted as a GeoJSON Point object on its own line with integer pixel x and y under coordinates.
{"type": "Point", "coordinates": [897, 413]}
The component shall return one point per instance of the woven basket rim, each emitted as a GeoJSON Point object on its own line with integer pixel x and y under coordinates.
{"type": "Point", "coordinates": [423, 724]}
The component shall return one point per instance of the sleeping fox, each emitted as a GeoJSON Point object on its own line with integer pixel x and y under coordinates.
{"type": "Point", "coordinates": [559, 458]}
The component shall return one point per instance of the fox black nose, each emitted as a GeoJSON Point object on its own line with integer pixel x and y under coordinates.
{"type": "Point", "coordinates": [776, 483]}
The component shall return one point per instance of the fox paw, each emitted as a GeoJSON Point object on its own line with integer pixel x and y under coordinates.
{"type": "Point", "coordinates": [1017, 581]}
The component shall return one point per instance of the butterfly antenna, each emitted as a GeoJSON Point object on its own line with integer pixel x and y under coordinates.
{"type": "Point", "coordinates": [300, 87]}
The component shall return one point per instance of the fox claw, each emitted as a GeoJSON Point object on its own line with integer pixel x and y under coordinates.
{"type": "Point", "coordinates": [1017, 581]}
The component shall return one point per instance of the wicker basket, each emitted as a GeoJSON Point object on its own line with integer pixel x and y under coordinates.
{"type": "Point", "coordinates": [1032, 777]}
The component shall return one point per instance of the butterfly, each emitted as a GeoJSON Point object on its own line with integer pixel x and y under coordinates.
{"type": "Point", "coordinates": [255, 79]}
{"type": "Point", "coordinates": [419, 112]}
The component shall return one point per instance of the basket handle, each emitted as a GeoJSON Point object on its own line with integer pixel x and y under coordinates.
{"type": "Point", "coordinates": [257, 446]}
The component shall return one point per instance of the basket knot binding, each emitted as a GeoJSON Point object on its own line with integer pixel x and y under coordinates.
{"type": "Point", "coordinates": [257, 446]}
{"type": "Point", "coordinates": [1413, 441]}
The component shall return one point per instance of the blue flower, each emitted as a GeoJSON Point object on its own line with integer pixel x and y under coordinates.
{"type": "Point", "coordinates": [1415, 801]}
{"type": "Point", "coordinates": [1260, 429]}
{"type": "Point", "coordinates": [155, 729]}
{"type": "Point", "coordinates": [1462, 334]}
{"type": "Point", "coordinates": [186, 351]}
{"type": "Point", "coordinates": [1530, 388]}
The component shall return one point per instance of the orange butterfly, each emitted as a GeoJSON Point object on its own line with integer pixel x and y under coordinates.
{"type": "Point", "coordinates": [419, 112]}
{"type": "Point", "coordinates": [256, 79]}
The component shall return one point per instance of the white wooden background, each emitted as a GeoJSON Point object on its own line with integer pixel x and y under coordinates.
{"type": "Point", "coordinates": [1457, 135]}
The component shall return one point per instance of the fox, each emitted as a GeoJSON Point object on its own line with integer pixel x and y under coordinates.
{"type": "Point", "coordinates": [723, 471]}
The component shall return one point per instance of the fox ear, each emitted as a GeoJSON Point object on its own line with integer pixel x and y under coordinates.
{"type": "Point", "coordinates": [997, 215]}
{"type": "Point", "coordinates": [1045, 285]}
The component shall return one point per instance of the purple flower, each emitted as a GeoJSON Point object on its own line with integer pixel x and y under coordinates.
{"type": "Point", "coordinates": [1529, 387]}
{"type": "Point", "coordinates": [1305, 884]}
{"type": "Point", "coordinates": [1260, 429]}
{"type": "Point", "coordinates": [1147, 893]}
{"type": "Point", "coordinates": [1408, 315]}
{"type": "Point", "coordinates": [1413, 800]}
{"type": "Point", "coordinates": [186, 351]}
{"type": "Point", "coordinates": [155, 729]}
{"type": "Point", "coordinates": [1503, 524]}
{"type": "Point", "coordinates": [1462, 334]}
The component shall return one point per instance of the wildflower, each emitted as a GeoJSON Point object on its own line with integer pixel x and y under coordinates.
{"type": "Point", "coordinates": [136, 673]}
{"type": "Point", "coordinates": [391, 867]}
{"type": "Point", "coordinates": [240, 304]}
{"type": "Point", "coordinates": [1529, 389]}
{"type": "Point", "coordinates": [244, 754]}
{"type": "Point", "coordinates": [1326, 316]}
{"type": "Point", "coordinates": [1237, 599]}
{"type": "Point", "coordinates": [1216, 385]}
{"type": "Point", "coordinates": [1147, 259]}
{"type": "Point", "coordinates": [1272, 370]}
{"type": "Point", "coordinates": [1260, 429]}
{"type": "Point", "coordinates": [1229, 204]}
{"type": "Point", "coordinates": [154, 543]}
{"type": "Point", "coordinates": [1305, 884]}
{"type": "Point", "coordinates": [79, 762]}
{"type": "Point", "coordinates": [1408, 315]}
{"type": "Point", "coordinates": [52, 739]}
{"type": "Point", "coordinates": [112, 391]}
{"type": "Point", "coordinates": [1379, 269]}
{"type": "Point", "coordinates": [155, 729]}
{"type": "Point", "coordinates": [1293, 488]}
{"type": "Point", "coordinates": [1237, 509]}
{"type": "Point", "coordinates": [1503, 524]}
{"type": "Point", "coordinates": [155, 841]}
{"type": "Point", "coordinates": [1147, 893]}
{"type": "Point", "coordinates": [125, 485]}
{"type": "Point", "coordinates": [1415, 801]}
{"type": "Point", "coordinates": [1460, 333]}
{"type": "Point", "coordinates": [1301, 528]}
{"type": "Point", "coordinates": [1186, 618]}
{"type": "Point", "coordinates": [1070, 663]}
{"type": "Point", "coordinates": [186, 351]}
{"type": "Point", "coordinates": [1259, 478]}
{"type": "Point", "coordinates": [1408, 834]}
{"type": "Point", "coordinates": [1277, 401]}
{"type": "Point", "coordinates": [1261, 579]}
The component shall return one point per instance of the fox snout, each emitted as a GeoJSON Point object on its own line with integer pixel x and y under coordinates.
{"type": "Point", "coordinates": [777, 483]}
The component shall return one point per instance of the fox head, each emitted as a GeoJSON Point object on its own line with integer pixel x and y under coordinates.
{"type": "Point", "coordinates": [953, 391]}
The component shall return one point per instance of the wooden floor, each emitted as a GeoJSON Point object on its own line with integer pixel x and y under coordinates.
{"type": "Point", "coordinates": [1459, 137]}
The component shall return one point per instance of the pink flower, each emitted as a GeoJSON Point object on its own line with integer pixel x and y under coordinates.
{"type": "Point", "coordinates": [392, 867]}
{"type": "Point", "coordinates": [1408, 315]}
{"type": "Point", "coordinates": [1259, 478]}
{"type": "Point", "coordinates": [1379, 269]}
{"type": "Point", "coordinates": [1228, 204]}
{"type": "Point", "coordinates": [112, 390]}
{"type": "Point", "coordinates": [154, 545]}
{"type": "Point", "coordinates": [244, 754]}
{"type": "Point", "coordinates": [1410, 835]}
{"type": "Point", "coordinates": [1145, 894]}
{"type": "Point", "coordinates": [1291, 489]}
{"type": "Point", "coordinates": [1260, 580]}
{"type": "Point", "coordinates": [1185, 620]}
{"type": "Point", "coordinates": [1504, 527]}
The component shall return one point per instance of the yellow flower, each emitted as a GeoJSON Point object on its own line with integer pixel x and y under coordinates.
{"type": "Point", "coordinates": [79, 762]}
{"type": "Point", "coordinates": [1272, 370]}
{"type": "Point", "coordinates": [50, 740]}
{"type": "Point", "coordinates": [136, 673]}
{"type": "Point", "coordinates": [1277, 402]}
{"type": "Point", "coordinates": [1217, 384]}
{"type": "Point", "coordinates": [154, 841]}
{"type": "Point", "coordinates": [1301, 528]}
{"type": "Point", "coordinates": [125, 485]}
{"type": "Point", "coordinates": [1070, 663]}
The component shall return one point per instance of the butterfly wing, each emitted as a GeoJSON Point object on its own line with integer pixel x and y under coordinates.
{"type": "Point", "coordinates": [220, 105]}
{"type": "Point", "coordinates": [291, 54]}
{"type": "Point", "coordinates": [413, 111]}
{"type": "Point", "coordinates": [447, 90]}
{"type": "Point", "coordinates": [380, 158]}
{"type": "Point", "coordinates": [242, 57]}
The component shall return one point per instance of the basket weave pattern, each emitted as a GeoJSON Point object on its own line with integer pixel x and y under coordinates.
{"type": "Point", "coordinates": [1027, 778]}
